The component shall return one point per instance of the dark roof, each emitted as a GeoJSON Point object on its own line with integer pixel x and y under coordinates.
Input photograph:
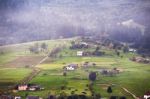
{"type": "Point", "coordinates": [6, 97]}
{"type": "Point", "coordinates": [33, 97]}
{"type": "Point", "coordinates": [147, 93]}
{"type": "Point", "coordinates": [73, 65]}
{"type": "Point", "coordinates": [51, 97]}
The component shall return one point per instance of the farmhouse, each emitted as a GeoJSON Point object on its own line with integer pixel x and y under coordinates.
{"type": "Point", "coordinates": [6, 97]}
{"type": "Point", "coordinates": [79, 53]}
{"type": "Point", "coordinates": [22, 87]}
{"type": "Point", "coordinates": [33, 87]}
{"type": "Point", "coordinates": [132, 50]}
{"type": "Point", "coordinates": [17, 97]}
{"type": "Point", "coordinates": [71, 67]}
{"type": "Point", "coordinates": [79, 45]}
{"type": "Point", "coordinates": [84, 43]}
{"type": "Point", "coordinates": [88, 64]}
{"type": "Point", "coordinates": [30, 87]}
{"type": "Point", "coordinates": [147, 95]}
{"type": "Point", "coordinates": [110, 72]}
{"type": "Point", "coordinates": [140, 59]}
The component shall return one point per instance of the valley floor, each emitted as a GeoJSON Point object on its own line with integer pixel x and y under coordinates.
{"type": "Point", "coordinates": [18, 63]}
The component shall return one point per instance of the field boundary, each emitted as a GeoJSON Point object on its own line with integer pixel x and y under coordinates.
{"type": "Point", "coordinates": [35, 71]}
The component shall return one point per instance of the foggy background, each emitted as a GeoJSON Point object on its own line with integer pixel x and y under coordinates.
{"type": "Point", "coordinates": [29, 20]}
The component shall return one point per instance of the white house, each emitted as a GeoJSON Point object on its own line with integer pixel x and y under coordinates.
{"type": "Point", "coordinates": [84, 43]}
{"type": "Point", "coordinates": [32, 88]}
{"type": "Point", "coordinates": [132, 50]}
{"type": "Point", "coordinates": [146, 96]}
{"type": "Point", "coordinates": [22, 87]}
{"type": "Point", "coordinates": [79, 53]}
{"type": "Point", "coordinates": [70, 68]}
{"type": "Point", "coordinates": [17, 97]}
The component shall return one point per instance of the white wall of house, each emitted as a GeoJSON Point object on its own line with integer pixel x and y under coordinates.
{"type": "Point", "coordinates": [70, 68]}
{"type": "Point", "coordinates": [22, 87]}
{"type": "Point", "coordinates": [79, 53]}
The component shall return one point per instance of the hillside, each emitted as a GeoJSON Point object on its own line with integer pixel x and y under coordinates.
{"type": "Point", "coordinates": [18, 63]}
{"type": "Point", "coordinates": [27, 20]}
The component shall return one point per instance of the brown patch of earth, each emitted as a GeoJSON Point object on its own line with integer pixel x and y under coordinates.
{"type": "Point", "coordinates": [24, 61]}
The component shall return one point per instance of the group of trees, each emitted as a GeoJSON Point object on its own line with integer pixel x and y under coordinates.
{"type": "Point", "coordinates": [55, 51]}
{"type": "Point", "coordinates": [92, 77]}
{"type": "Point", "coordinates": [37, 48]}
{"type": "Point", "coordinates": [97, 52]}
{"type": "Point", "coordinates": [78, 45]}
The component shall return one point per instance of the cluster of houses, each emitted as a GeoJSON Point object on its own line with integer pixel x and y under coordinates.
{"type": "Point", "coordinates": [24, 87]}
{"type": "Point", "coordinates": [28, 87]}
{"type": "Point", "coordinates": [71, 67]}
{"type": "Point", "coordinates": [90, 53]}
{"type": "Point", "coordinates": [140, 59]}
{"type": "Point", "coordinates": [145, 96]}
{"type": "Point", "coordinates": [88, 64]}
{"type": "Point", "coordinates": [110, 72]}
{"type": "Point", "coordinates": [84, 53]}
{"type": "Point", "coordinates": [79, 45]}
{"type": "Point", "coordinates": [28, 97]}
{"type": "Point", "coordinates": [132, 50]}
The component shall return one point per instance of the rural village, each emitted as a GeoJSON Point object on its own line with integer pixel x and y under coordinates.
{"type": "Point", "coordinates": [76, 68]}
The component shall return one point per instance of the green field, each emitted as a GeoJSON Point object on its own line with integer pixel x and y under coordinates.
{"type": "Point", "coordinates": [134, 76]}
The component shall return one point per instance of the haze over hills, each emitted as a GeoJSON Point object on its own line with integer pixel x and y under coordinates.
{"type": "Point", "coordinates": [29, 20]}
{"type": "Point", "coordinates": [74, 49]}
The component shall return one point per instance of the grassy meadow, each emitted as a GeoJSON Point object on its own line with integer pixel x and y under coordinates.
{"type": "Point", "coordinates": [134, 76]}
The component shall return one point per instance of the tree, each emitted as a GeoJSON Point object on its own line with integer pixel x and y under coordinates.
{"type": "Point", "coordinates": [62, 95]}
{"type": "Point", "coordinates": [44, 46]}
{"type": "Point", "coordinates": [34, 48]}
{"type": "Point", "coordinates": [92, 76]}
{"type": "Point", "coordinates": [122, 97]}
{"type": "Point", "coordinates": [113, 97]}
{"type": "Point", "coordinates": [82, 97]}
{"type": "Point", "coordinates": [96, 96]}
{"type": "Point", "coordinates": [109, 90]}
{"type": "Point", "coordinates": [125, 49]}
{"type": "Point", "coordinates": [117, 52]}
{"type": "Point", "coordinates": [97, 48]}
{"type": "Point", "coordinates": [64, 73]}
{"type": "Point", "coordinates": [72, 42]}
{"type": "Point", "coordinates": [26, 94]}
{"type": "Point", "coordinates": [54, 52]}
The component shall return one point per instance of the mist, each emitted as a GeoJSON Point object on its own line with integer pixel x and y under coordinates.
{"type": "Point", "coordinates": [29, 20]}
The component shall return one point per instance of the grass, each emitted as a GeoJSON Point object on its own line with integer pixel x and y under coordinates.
{"type": "Point", "coordinates": [10, 76]}
{"type": "Point", "coordinates": [131, 78]}
{"type": "Point", "coordinates": [6, 57]}
{"type": "Point", "coordinates": [51, 77]}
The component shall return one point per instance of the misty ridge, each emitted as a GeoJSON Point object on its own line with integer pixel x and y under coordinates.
{"type": "Point", "coordinates": [29, 20]}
